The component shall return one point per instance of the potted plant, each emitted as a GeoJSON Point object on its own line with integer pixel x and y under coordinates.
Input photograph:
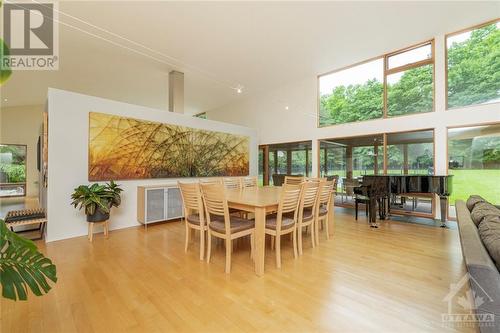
{"type": "Point", "coordinates": [97, 200]}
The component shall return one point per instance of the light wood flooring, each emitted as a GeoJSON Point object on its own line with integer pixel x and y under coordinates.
{"type": "Point", "coordinates": [391, 279]}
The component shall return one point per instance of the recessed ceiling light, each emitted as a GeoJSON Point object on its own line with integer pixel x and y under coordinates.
{"type": "Point", "coordinates": [5, 99]}
{"type": "Point", "coordinates": [239, 89]}
{"type": "Point", "coordinates": [286, 107]}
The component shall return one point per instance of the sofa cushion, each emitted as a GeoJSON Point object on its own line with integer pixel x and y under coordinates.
{"type": "Point", "coordinates": [489, 231]}
{"type": "Point", "coordinates": [481, 210]}
{"type": "Point", "coordinates": [473, 200]}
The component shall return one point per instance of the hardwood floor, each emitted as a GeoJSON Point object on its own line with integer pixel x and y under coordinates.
{"type": "Point", "coordinates": [391, 279]}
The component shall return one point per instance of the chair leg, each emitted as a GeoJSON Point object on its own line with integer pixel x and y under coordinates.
{"type": "Point", "coordinates": [278, 251]}
{"type": "Point", "coordinates": [252, 245]}
{"type": "Point", "coordinates": [316, 231]}
{"type": "Point", "coordinates": [209, 245]}
{"type": "Point", "coordinates": [202, 244]}
{"type": "Point", "coordinates": [187, 238]}
{"type": "Point", "coordinates": [327, 221]}
{"type": "Point", "coordinates": [228, 255]}
{"type": "Point", "coordinates": [366, 208]}
{"type": "Point", "coordinates": [356, 209]}
{"type": "Point", "coordinates": [272, 242]}
{"type": "Point", "coordinates": [88, 231]}
{"type": "Point", "coordinates": [313, 235]}
{"type": "Point", "coordinates": [294, 240]}
{"type": "Point", "coordinates": [299, 235]}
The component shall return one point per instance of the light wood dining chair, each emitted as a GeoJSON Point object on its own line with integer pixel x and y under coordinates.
{"type": "Point", "coordinates": [232, 183]}
{"type": "Point", "coordinates": [325, 194]}
{"type": "Point", "coordinates": [223, 225]}
{"type": "Point", "coordinates": [249, 182]}
{"type": "Point", "coordinates": [293, 180]}
{"type": "Point", "coordinates": [285, 220]}
{"type": "Point", "coordinates": [194, 213]}
{"type": "Point", "coordinates": [212, 180]}
{"type": "Point", "coordinates": [307, 211]}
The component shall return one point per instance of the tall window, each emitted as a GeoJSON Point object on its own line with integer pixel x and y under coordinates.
{"type": "Point", "coordinates": [410, 153]}
{"type": "Point", "coordinates": [352, 94]}
{"type": "Point", "coordinates": [473, 66]}
{"type": "Point", "coordinates": [474, 162]}
{"type": "Point", "coordinates": [395, 84]}
{"type": "Point", "coordinates": [291, 158]}
{"type": "Point", "coordinates": [12, 170]}
{"type": "Point", "coordinates": [409, 77]}
{"type": "Point", "coordinates": [351, 158]}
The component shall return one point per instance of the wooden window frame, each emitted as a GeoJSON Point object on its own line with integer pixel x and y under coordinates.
{"type": "Point", "coordinates": [386, 72]}
{"type": "Point", "coordinates": [25, 184]}
{"type": "Point", "coordinates": [474, 27]}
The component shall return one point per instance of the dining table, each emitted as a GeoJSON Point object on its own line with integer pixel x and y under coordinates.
{"type": "Point", "coordinates": [260, 201]}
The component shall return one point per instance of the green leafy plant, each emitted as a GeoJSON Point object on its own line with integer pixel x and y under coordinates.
{"type": "Point", "coordinates": [97, 196]}
{"type": "Point", "coordinates": [5, 72]}
{"type": "Point", "coordinates": [22, 266]}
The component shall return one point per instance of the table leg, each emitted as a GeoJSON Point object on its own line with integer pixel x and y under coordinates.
{"type": "Point", "coordinates": [260, 238]}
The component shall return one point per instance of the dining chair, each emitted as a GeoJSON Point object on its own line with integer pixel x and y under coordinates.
{"type": "Point", "coordinates": [307, 211]}
{"type": "Point", "coordinates": [194, 213]}
{"type": "Point", "coordinates": [293, 180]}
{"type": "Point", "coordinates": [223, 225]}
{"type": "Point", "coordinates": [249, 182]}
{"type": "Point", "coordinates": [231, 183]}
{"type": "Point", "coordinates": [212, 180]}
{"type": "Point", "coordinates": [285, 220]}
{"type": "Point", "coordinates": [325, 193]}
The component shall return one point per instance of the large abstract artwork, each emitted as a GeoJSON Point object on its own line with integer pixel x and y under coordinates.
{"type": "Point", "coordinates": [127, 148]}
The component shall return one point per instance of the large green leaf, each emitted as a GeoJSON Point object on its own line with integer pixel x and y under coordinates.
{"type": "Point", "coordinates": [22, 266]}
{"type": "Point", "coordinates": [6, 72]}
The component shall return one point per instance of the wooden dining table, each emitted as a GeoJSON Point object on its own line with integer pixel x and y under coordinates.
{"type": "Point", "coordinates": [260, 201]}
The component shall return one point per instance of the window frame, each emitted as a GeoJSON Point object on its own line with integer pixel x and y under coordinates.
{"type": "Point", "coordinates": [25, 184]}
{"type": "Point", "coordinates": [458, 32]}
{"type": "Point", "coordinates": [386, 72]}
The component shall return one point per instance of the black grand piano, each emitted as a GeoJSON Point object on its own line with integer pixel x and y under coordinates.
{"type": "Point", "coordinates": [380, 188]}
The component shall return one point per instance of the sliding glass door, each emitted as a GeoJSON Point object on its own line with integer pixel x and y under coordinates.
{"type": "Point", "coordinates": [474, 162]}
{"type": "Point", "coordinates": [291, 158]}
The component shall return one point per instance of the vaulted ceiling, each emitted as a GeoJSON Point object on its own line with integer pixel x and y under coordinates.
{"type": "Point", "coordinates": [123, 50]}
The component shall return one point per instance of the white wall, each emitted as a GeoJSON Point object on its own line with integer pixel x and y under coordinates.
{"type": "Point", "coordinates": [21, 125]}
{"type": "Point", "coordinates": [266, 112]}
{"type": "Point", "coordinates": [68, 157]}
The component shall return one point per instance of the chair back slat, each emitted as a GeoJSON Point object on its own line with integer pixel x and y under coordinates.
{"type": "Point", "coordinates": [215, 203]}
{"type": "Point", "coordinates": [249, 182]}
{"type": "Point", "coordinates": [213, 180]}
{"type": "Point", "coordinates": [325, 192]}
{"type": "Point", "coordinates": [232, 183]}
{"type": "Point", "coordinates": [293, 180]}
{"type": "Point", "coordinates": [191, 198]}
{"type": "Point", "coordinates": [310, 194]}
{"type": "Point", "coordinates": [290, 195]}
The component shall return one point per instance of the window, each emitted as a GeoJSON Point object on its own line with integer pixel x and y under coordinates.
{"type": "Point", "coordinates": [351, 158]}
{"type": "Point", "coordinates": [474, 162]}
{"type": "Point", "coordinates": [352, 94]}
{"type": "Point", "coordinates": [292, 158]}
{"type": "Point", "coordinates": [402, 153]}
{"type": "Point", "coordinates": [371, 90]}
{"type": "Point", "coordinates": [202, 115]}
{"type": "Point", "coordinates": [12, 170]}
{"type": "Point", "coordinates": [473, 72]}
{"type": "Point", "coordinates": [410, 153]}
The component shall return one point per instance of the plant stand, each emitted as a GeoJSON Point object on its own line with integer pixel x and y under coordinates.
{"type": "Point", "coordinates": [105, 226]}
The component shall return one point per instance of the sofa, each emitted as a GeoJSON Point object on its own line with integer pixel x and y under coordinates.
{"type": "Point", "coordinates": [479, 228]}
